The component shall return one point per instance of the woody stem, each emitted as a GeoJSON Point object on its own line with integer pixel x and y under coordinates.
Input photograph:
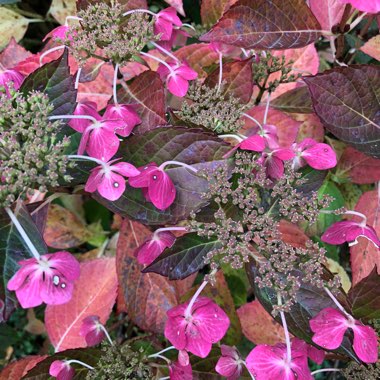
{"type": "Point", "coordinates": [23, 233]}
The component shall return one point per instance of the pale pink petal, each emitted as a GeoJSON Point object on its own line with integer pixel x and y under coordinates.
{"type": "Point", "coordinates": [183, 358]}
{"type": "Point", "coordinates": [320, 156]}
{"type": "Point", "coordinates": [112, 186]}
{"type": "Point", "coordinates": [127, 114]}
{"type": "Point", "coordinates": [11, 76]}
{"type": "Point", "coordinates": [177, 85]}
{"type": "Point", "coordinates": [254, 143]}
{"type": "Point", "coordinates": [61, 370]}
{"type": "Point", "coordinates": [161, 189]}
{"type": "Point", "coordinates": [229, 364]}
{"type": "Point", "coordinates": [365, 343]}
{"type": "Point", "coordinates": [328, 327]}
{"type": "Point", "coordinates": [91, 331]}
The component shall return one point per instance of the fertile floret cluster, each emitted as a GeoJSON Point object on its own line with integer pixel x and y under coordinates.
{"type": "Point", "coordinates": [355, 371]}
{"type": "Point", "coordinates": [104, 31]}
{"type": "Point", "coordinates": [249, 207]}
{"type": "Point", "coordinates": [31, 154]}
{"type": "Point", "coordinates": [212, 109]}
{"type": "Point", "coordinates": [120, 363]}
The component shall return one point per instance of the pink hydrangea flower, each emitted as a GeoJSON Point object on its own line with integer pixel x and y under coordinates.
{"type": "Point", "coordinates": [269, 132]}
{"type": "Point", "coordinates": [153, 247]}
{"type": "Point", "coordinates": [10, 76]}
{"type": "Point", "coordinates": [317, 155]}
{"type": "Point", "coordinates": [197, 329]}
{"type": "Point", "coordinates": [349, 231]}
{"type": "Point", "coordinates": [370, 6]}
{"type": "Point", "coordinates": [274, 161]}
{"type": "Point", "coordinates": [84, 109]}
{"type": "Point", "coordinates": [254, 143]}
{"type": "Point", "coordinates": [61, 370]}
{"type": "Point", "coordinates": [329, 327]}
{"type": "Point", "coordinates": [179, 38]}
{"type": "Point", "coordinates": [178, 77]}
{"type": "Point", "coordinates": [99, 139]}
{"type": "Point", "coordinates": [49, 279]}
{"type": "Point", "coordinates": [270, 363]}
{"type": "Point", "coordinates": [230, 364]}
{"type": "Point", "coordinates": [92, 330]}
{"type": "Point", "coordinates": [180, 372]}
{"type": "Point", "coordinates": [123, 112]}
{"type": "Point", "coordinates": [108, 179]}
{"type": "Point", "coordinates": [157, 185]}
{"type": "Point", "coordinates": [183, 358]}
{"type": "Point", "coordinates": [165, 20]}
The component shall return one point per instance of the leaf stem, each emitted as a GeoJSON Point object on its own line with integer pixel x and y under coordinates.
{"type": "Point", "coordinates": [337, 303]}
{"type": "Point", "coordinates": [116, 70]}
{"type": "Point", "coordinates": [168, 53]}
{"type": "Point", "coordinates": [220, 70]}
{"type": "Point", "coordinates": [47, 52]}
{"type": "Point", "coordinates": [23, 233]}
{"type": "Point", "coordinates": [79, 362]}
{"type": "Point", "coordinates": [325, 370]}
{"type": "Point", "coordinates": [286, 331]}
{"type": "Point", "coordinates": [161, 352]}
{"type": "Point", "coordinates": [86, 117]}
{"type": "Point", "coordinates": [166, 163]}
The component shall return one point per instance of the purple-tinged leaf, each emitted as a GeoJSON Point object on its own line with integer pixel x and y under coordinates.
{"type": "Point", "coordinates": [365, 297]}
{"type": "Point", "coordinates": [184, 258]}
{"type": "Point", "coordinates": [346, 99]}
{"type": "Point", "coordinates": [146, 94]}
{"type": "Point", "coordinates": [237, 77]}
{"type": "Point", "coordinates": [266, 24]}
{"type": "Point", "coordinates": [54, 80]}
{"type": "Point", "coordinates": [297, 100]}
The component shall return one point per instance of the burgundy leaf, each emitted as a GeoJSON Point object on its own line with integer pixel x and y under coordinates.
{"type": "Point", "coordinates": [238, 78]}
{"type": "Point", "coordinates": [146, 93]}
{"type": "Point", "coordinates": [266, 24]}
{"type": "Point", "coordinates": [346, 99]}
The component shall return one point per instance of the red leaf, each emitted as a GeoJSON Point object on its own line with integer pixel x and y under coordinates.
{"type": "Point", "coordinates": [147, 296]}
{"type": "Point", "coordinates": [287, 127]}
{"type": "Point", "coordinates": [16, 370]}
{"type": "Point", "coordinates": [198, 56]}
{"type": "Point", "coordinates": [258, 326]}
{"type": "Point", "coordinates": [372, 47]}
{"type": "Point", "coordinates": [146, 92]}
{"type": "Point", "coordinates": [327, 12]}
{"type": "Point", "coordinates": [212, 10]}
{"type": "Point", "coordinates": [292, 234]}
{"type": "Point", "coordinates": [94, 294]}
{"type": "Point", "coordinates": [311, 127]}
{"type": "Point", "coordinates": [358, 167]}
{"type": "Point", "coordinates": [13, 54]}
{"type": "Point", "coordinates": [266, 24]}
{"type": "Point", "coordinates": [364, 255]}
{"type": "Point", "coordinates": [238, 78]}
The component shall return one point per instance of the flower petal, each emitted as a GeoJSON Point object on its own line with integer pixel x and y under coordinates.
{"type": "Point", "coordinates": [320, 156]}
{"type": "Point", "coordinates": [102, 144]}
{"type": "Point", "coordinates": [161, 190]}
{"type": "Point", "coordinates": [177, 85]}
{"type": "Point", "coordinates": [112, 186]}
{"type": "Point", "coordinates": [365, 343]}
{"type": "Point", "coordinates": [125, 169]}
{"type": "Point", "coordinates": [254, 143]}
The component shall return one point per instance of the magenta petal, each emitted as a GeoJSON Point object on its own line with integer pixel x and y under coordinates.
{"type": "Point", "coordinates": [112, 186]}
{"type": "Point", "coordinates": [186, 72]}
{"type": "Point", "coordinates": [56, 294]}
{"type": "Point", "coordinates": [84, 141]}
{"type": "Point", "coordinates": [175, 332]}
{"type": "Point", "coordinates": [283, 154]}
{"type": "Point", "coordinates": [148, 252]}
{"type": "Point", "coordinates": [163, 27]}
{"type": "Point", "coordinates": [328, 327]}
{"type": "Point", "coordinates": [320, 157]}
{"type": "Point", "coordinates": [170, 14]}
{"type": "Point", "coordinates": [183, 358]}
{"type": "Point", "coordinates": [127, 114]}
{"type": "Point", "coordinates": [177, 85]}
{"type": "Point", "coordinates": [61, 370]}
{"type": "Point", "coordinates": [275, 167]}
{"type": "Point", "coordinates": [161, 189]}
{"type": "Point", "coordinates": [27, 267]}
{"type": "Point", "coordinates": [336, 233]}
{"type": "Point", "coordinates": [196, 344]}
{"type": "Point", "coordinates": [94, 179]}
{"type": "Point", "coordinates": [254, 143]}
{"type": "Point", "coordinates": [65, 263]}
{"type": "Point", "coordinates": [229, 364]}
{"type": "Point", "coordinates": [180, 372]}
{"type": "Point", "coordinates": [11, 76]}
{"type": "Point", "coordinates": [370, 6]}
{"type": "Point", "coordinates": [125, 169]}
{"type": "Point", "coordinates": [317, 356]}
{"type": "Point", "coordinates": [91, 330]}
{"type": "Point", "coordinates": [87, 109]}
{"type": "Point", "coordinates": [29, 293]}
{"type": "Point", "coordinates": [142, 180]}
{"type": "Point", "coordinates": [370, 234]}
{"type": "Point", "coordinates": [102, 144]}
{"type": "Point", "coordinates": [365, 343]}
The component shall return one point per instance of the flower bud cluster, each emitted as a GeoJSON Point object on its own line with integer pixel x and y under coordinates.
{"type": "Point", "coordinates": [104, 28]}
{"type": "Point", "coordinates": [120, 363]}
{"type": "Point", "coordinates": [31, 154]}
{"type": "Point", "coordinates": [246, 223]}
{"type": "Point", "coordinates": [212, 109]}
{"type": "Point", "coordinates": [355, 371]}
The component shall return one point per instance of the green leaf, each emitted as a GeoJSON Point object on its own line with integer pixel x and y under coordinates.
{"type": "Point", "coordinates": [184, 258]}
{"type": "Point", "coordinates": [12, 250]}
{"type": "Point", "coordinates": [191, 146]}
{"type": "Point", "coordinates": [365, 297]}
{"type": "Point", "coordinates": [310, 301]}
{"type": "Point", "coordinates": [325, 220]}
{"type": "Point", "coordinates": [54, 79]}
{"type": "Point", "coordinates": [89, 356]}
